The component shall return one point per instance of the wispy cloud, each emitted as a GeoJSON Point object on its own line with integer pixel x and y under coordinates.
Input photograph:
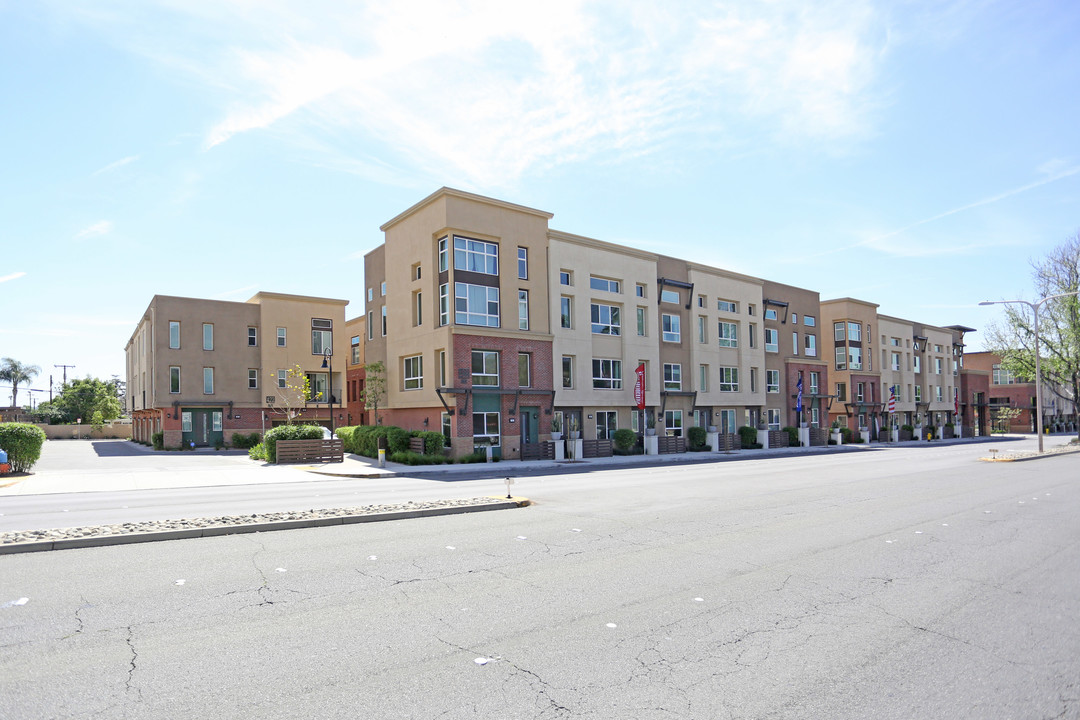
{"type": "Point", "coordinates": [12, 276]}
{"type": "Point", "coordinates": [112, 166]}
{"type": "Point", "coordinates": [97, 229]}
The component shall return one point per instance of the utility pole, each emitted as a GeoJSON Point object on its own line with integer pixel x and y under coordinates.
{"type": "Point", "coordinates": [65, 370]}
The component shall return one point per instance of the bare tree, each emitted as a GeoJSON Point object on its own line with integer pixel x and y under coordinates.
{"type": "Point", "coordinates": [294, 395]}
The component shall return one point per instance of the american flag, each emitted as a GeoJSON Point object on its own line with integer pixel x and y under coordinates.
{"type": "Point", "coordinates": [892, 399]}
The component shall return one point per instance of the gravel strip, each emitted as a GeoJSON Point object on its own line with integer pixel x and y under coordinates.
{"type": "Point", "coordinates": [1072, 447]}
{"type": "Point", "coordinates": [158, 526]}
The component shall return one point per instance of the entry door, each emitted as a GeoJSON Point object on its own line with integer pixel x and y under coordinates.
{"type": "Point", "coordinates": [200, 428]}
{"type": "Point", "coordinates": [530, 424]}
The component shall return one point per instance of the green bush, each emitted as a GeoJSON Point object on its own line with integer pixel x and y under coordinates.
{"type": "Point", "coordinates": [793, 436]}
{"type": "Point", "coordinates": [434, 442]}
{"type": "Point", "coordinates": [625, 440]}
{"type": "Point", "coordinates": [288, 432]}
{"type": "Point", "coordinates": [397, 440]}
{"type": "Point", "coordinates": [258, 452]}
{"type": "Point", "coordinates": [848, 435]}
{"type": "Point", "coordinates": [748, 436]}
{"type": "Point", "coordinates": [23, 442]}
{"type": "Point", "coordinates": [244, 442]}
{"type": "Point", "coordinates": [909, 428]}
{"type": "Point", "coordinates": [411, 458]}
{"type": "Point", "coordinates": [475, 457]}
{"type": "Point", "coordinates": [696, 437]}
{"type": "Point", "coordinates": [366, 440]}
{"type": "Point", "coordinates": [158, 440]}
{"type": "Point", "coordinates": [347, 434]}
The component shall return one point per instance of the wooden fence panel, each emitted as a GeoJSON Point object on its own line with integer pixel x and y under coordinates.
{"type": "Point", "coordinates": [290, 451]}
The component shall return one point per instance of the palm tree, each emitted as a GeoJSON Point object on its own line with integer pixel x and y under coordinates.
{"type": "Point", "coordinates": [15, 372]}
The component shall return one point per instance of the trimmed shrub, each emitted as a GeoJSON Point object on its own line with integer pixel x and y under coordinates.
{"type": "Point", "coordinates": [908, 428]}
{"type": "Point", "coordinates": [625, 439]}
{"type": "Point", "coordinates": [411, 458]}
{"type": "Point", "coordinates": [793, 436]}
{"type": "Point", "coordinates": [22, 442]}
{"type": "Point", "coordinates": [258, 452]}
{"type": "Point", "coordinates": [397, 440]}
{"type": "Point", "coordinates": [748, 436]}
{"type": "Point", "coordinates": [158, 440]}
{"type": "Point", "coordinates": [348, 440]}
{"type": "Point", "coordinates": [848, 435]}
{"type": "Point", "coordinates": [288, 432]}
{"type": "Point", "coordinates": [245, 442]}
{"type": "Point", "coordinates": [696, 437]}
{"type": "Point", "coordinates": [434, 442]}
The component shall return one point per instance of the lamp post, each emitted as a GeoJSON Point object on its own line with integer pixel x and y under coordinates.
{"type": "Point", "coordinates": [1038, 376]}
{"type": "Point", "coordinates": [328, 363]}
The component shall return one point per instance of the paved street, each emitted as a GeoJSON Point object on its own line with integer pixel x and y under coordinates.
{"type": "Point", "coordinates": [913, 583]}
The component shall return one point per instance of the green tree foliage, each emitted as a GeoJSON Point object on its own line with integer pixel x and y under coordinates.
{"type": "Point", "coordinates": [296, 393]}
{"type": "Point", "coordinates": [1059, 325]}
{"type": "Point", "coordinates": [17, 374]}
{"type": "Point", "coordinates": [82, 398]}
{"type": "Point", "coordinates": [22, 442]}
{"type": "Point", "coordinates": [374, 387]}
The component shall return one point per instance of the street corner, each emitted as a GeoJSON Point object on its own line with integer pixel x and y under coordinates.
{"type": "Point", "coordinates": [516, 499]}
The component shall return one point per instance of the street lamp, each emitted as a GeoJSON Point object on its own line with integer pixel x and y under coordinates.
{"type": "Point", "coordinates": [1038, 377]}
{"type": "Point", "coordinates": [328, 363]}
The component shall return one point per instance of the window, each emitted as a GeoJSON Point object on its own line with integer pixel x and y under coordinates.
{"type": "Point", "coordinates": [567, 371]}
{"type": "Point", "coordinates": [174, 379]}
{"type": "Point", "coordinates": [485, 429]}
{"type": "Point", "coordinates": [841, 358]}
{"type": "Point", "coordinates": [770, 314]}
{"type": "Point", "coordinates": [854, 332]}
{"type": "Point", "coordinates": [605, 319]}
{"type": "Point", "coordinates": [918, 364]}
{"type": "Point", "coordinates": [208, 381]}
{"type": "Point", "coordinates": [701, 329]}
{"type": "Point", "coordinates": [441, 355]}
{"type": "Point", "coordinates": [524, 370]}
{"type": "Point", "coordinates": [641, 329]}
{"type": "Point", "coordinates": [383, 313]}
{"type": "Point", "coordinates": [794, 343]}
{"type": "Point", "coordinates": [838, 332]}
{"type": "Point", "coordinates": [565, 312]}
{"type": "Point", "coordinates": [772, 381]}
{"type": "Point", "coordinates": [728, 333]}
{"type": "Point", "coordinates": [523, 263]}
{"type": "Point", "coordinates": [444, 304]}
{"type": "Point", "coordinates": [253, 337]}
{"type": "Point", "coordinates": [253, 379]}
{"type": "Point", "coordinates": [671, 330]}
{"type": "Point", "coordinates": [606, 424]}
{"type": "Point", "coordinates": [701, 301]}
{"type": "Point", "coordinates": [703, 378]}
{"type": "Point", "coordinates": [414, 372]}
{"type": "Point", "coordinates": [815, 382]}
{"type": "Point", "coordinates": [322, 336]}
{"type": "Point", "coordinates": [476, 256]}
{"type": "Point", "coordinates": [809, 320]}
{"type": "Point", "coordinates": [354, 350]}
{"type": "Point", "coordinates": [1004, 377]}
{"type": "Point", "coordinates": [447, 428]}
{"type": "Point", "coordinates": [729, 379]}
{"type": "Point", "coordinates": [599, 283]}
{"type": "Point", "coordinates": [753, 379]}
{"type": "Point", "coordinates": [672, 376]}
{"type": "Point", "coordinates": [174, 335]}
{"type": "Point", "coordinates": [282, 378]}
{"type": "Point", "coordinates": [523, 309]}
{"type": "Point", "coordinates": [772, 340]}
{"type": "Point", "coordinates": [485, 368]}
{"type": "Point", "coordinates": [416, 271]}
{"type": "Point", "coordinates": [565, 277]}
{"type": "Point", "coordinates": [794, 318]}
{"type": "Point", "coordinates": [281, 337]}
{"type": "Point", "coordinates": [855, 358]}
{"type": "Point", "coordinates": [937, 366]}
{"type": "Point", "coordinates": [841, 391]}
{"type": "Point", "coordinates": [607, 374]}
{"type": "Point", "coordinates": [751, 334]}
{"type": "Point", "coordinates": [476, 305]}
{"type": "Point", "coordinates": [749, 309]}
{"type": "Point", "coordinates": [895, 357]}
{"type": "Point", "coordinates": [370, 294]}
{"type": "Point", "coordinates": [810, 345]}
{"type": "Point", "coordinates": [208, 336]}
{"type": "Point", "coordinates": [443, 254]}
{"type": "Point", "coordinates": [639, 290]}
{"type": "Point", "coordinates": [418, 308]}
{"type": "Point", "coordinates": [860, 392]}
{"type": "Point", "coordinates": [382, 289]}
{"type": "Point", "coordinates": [895, 342]}
{"type": "Point", "coordinates": [918, 393]}
{"type": "Point", "coordinates": [185, 421]}
{"type": "Point", "coordinates": [727, 306]}
{"type": "Point", "coordinates": [673, 423]}
{"type": "Point", "coordinates": [670, 296]}
{"type": "Point", "coordinates": [727, 421]}
{"type": "Point", "coordinates": [773, 419]}
{"type": "Point", "coordinates": [370, 324]}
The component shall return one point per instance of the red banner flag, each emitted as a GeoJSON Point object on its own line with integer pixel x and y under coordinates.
{"type": "Point", "coordinates": [639, 387]}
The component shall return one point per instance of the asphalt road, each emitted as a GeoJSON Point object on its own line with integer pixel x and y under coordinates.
{"type": "Point", "coordinates": [924, 585]}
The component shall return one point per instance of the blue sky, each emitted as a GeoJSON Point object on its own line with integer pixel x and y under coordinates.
{"type": "Point", "coordinates": [917, 155]}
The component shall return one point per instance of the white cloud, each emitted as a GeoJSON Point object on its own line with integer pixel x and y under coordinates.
{"type": "Point", "coordinates": [99, 228]}
{"type": "Point", "coordinates": [114, 165]}
{"type": "Point", "coordinates": [12, 276]}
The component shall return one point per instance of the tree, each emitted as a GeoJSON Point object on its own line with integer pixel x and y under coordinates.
{"type": "Point", "coordinates": [1059, 325]}
{"type": "Point", "coordinates": [17, 373]}
{"type": "Point", "coordinates": [374, 391]}
{"type": "Point", "coordinates": [81, 399]}
{"type": "Point", "coordinates": [295, 394]}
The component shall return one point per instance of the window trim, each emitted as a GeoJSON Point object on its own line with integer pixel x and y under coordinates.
{"type": "Point", "coordinates": [412, 372]}
{"type": "Point", "coordinates": [613, 380]}
{"type": "Point", "coordinates": [174, 324]}
{"type": "Point", "coordinates": [485, 355]}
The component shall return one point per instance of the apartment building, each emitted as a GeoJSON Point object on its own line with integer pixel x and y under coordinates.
{"type": "Point", "coordinates": [792, 341]}
{"type": "Point", "coordinates": [1008, 390]}
{"type": "Point", "coordinates": [857, 397]}
{"type": "Point", "coordinates": [356, 411]}
{"type": "Point", "coordinates": [201, 370]}
{"type": "Point", "coordinates": [936, 374]}
{"type": "Point", "coordinates": [898, 370]}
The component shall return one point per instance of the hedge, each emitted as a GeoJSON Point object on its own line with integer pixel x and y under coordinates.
{"type": "Point", "coordinates": [625, 439]}
{"type": "Point", "coordinates": [364, 440]}
{"type": "Point", "coordinates": [696, 436]}
{"type": "Point", "coordinates": [23, 442]}
{"type": "Point", "coordinates": [793, 436]}
{"type": "Point", "coordinates": [748, 436]}
{"type": "Point", "coordinates": [288, 432]}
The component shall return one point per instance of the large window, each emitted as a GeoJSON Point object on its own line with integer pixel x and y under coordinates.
{"type": "Point", "coordinates": [485, 429]}
{"type": "Point", "coordinates": [174, 379]}
{"type": "Point", "coordinates": [729, 334]}
{"type": "Point", "coordinates": [841, 358]}
{"type": "Point", "coordinates": [607, 374]}
{"type": "Point", "coordinates": [208, 336]}
{"type": "Point", "coordinates": [838, 332]}
{"type": "Point", "coordinates": [566, 314]}
{"type": "Point", "coordinates": [854, 332]}
{"type": "Point", "coordinates": [772, 340]}
{"type": "Point", "coordinates": [605, 319]}
{"type": "Point", "coordinates": [671, 328]}
{"type": "Point", "coordinates": [673, 423]}
{"type": "Point", "coordinates": [854, 358]}
{"type": "Point", "coordinates": [476, 256]}
{"type": "Point", "coordinates": [485, 367]}
{"type": "Point", "coordinates": [726, 306]}
{"type": "Point", "coordinates": [841, 391]}
{"type": "Point", "coordinates": [208, 380]}
{"type": "Point", "coordinates": [604, 284]}
{"type": "Point", "coordinates": [815, 382]}
{"type": "Point", "coordinates": [672, 376]}
{"type": "Point", "coordinates": [1002, 376]}
{"type": "Point", "coordinates": [772, 381]}
{"type": "Point", "coordinates": [810, 343]}
{"type": "Point", "coordinates": [523, 263]}
{"type": "Point", "coordinates": [729, 379]}
{"type": "Point", "coordinates": [476, 305]}
{"type": "Point", "coordinates": [606, 424]}
{"type": "Point", "coordinates": [322, 336]}
{"type": "Point", "coordinates": [523, 309]}
{"type": "Point", "coordinates": [414, 372]}
{"type": "Point", "coordinates": [174, 335]}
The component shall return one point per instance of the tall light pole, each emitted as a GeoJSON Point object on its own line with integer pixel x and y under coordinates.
{"type": "Point", "coordinates": [1038, 375]}
{"type": "Point", "coordinates": [328, 363]}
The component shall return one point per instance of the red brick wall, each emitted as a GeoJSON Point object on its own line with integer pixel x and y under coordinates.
{"type": "Point", "coordinates": [791, 388]}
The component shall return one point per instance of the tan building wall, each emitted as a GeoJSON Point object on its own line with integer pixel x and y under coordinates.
{"type": "Point", "coordinates": [858, 362]}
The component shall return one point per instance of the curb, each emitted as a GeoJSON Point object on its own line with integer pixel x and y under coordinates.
{"type": "Point", "coordinates": [500, 503]}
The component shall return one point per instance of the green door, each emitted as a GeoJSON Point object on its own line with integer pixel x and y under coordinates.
{"type": "Point", "coordinates": [529, 418]}
{"type": "Point", "coordinates": [201, 426]}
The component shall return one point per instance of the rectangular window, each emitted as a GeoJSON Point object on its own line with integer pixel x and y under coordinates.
{"type": "Point", "coordinates": [670, 296]}
{"type": "Point", "coordinates": [523, 309]}
{"type": "Point", "coordinates": [174, 335]}
{"type": "Point", "coordinates": [918, 364]}
{"type": "Point", "coordinates": [794, 318]}
{"type": "Point", "coordinates": [727, 421]}
{"type": "Point", "coordinates": [416, 271]}
{"type": "Point", "coordinates": [476, 305]}
{"type": "Point", "coordinates": [208, 336]}
{"type": "Point", "coordinates": [726, 306]}
{"type": "Point", "coordinates": [772, 381]}
{"type": "Point", "coordinates": [382, 311]}
{"type": "Point", "coordinates": [673, 423]}
{"type": "Point", "coordinates": [370, 294]}
{"type": "Point", "coordinates": [185, 421]}
{"type": "Point", "coordinates": [639, 290]}
{"type": "Point", "coordinates": [441, 354]}
{"type": "Point", "coordinates": [641, 329]}
{"type": "Point", "coordinates": [810, 344]}
{"type": "Point", "coordinates": [444, 304]}
{"type": "Point", "coordinates": [774, 419]}
{"type": "Point", "coordinates": [604, 284]}
{"type": "Point", "coordinates": [815, 382]}
{"type": "Point", "coordinates": [770, 314]}
{"type": "Point", "coordinates": [728, 333]}
{"type": "Point", "coordinates": [253, 337]}
{"type": "Point", "coordinates": [751, 334]}
{"type": "Point", "coordinates": [838, 332]}
{"type": "Point", "coordinates": [523, 263]}
{"type": "Point", "coordinates": [524, 370]}
{"type": "Point", "coordinates": [567, 371]}
{"type": "Point", "coordinates": [841, 391]}
{"type": "Point", "coordinates": [414, 372]}
{"type": "Point", "coordinates": [860, 392]}
{"type": "Point", "coordinates": [772, 340]}
{"type": "Point", "coordinates": [354, 350]}
{"type": "Point", "coordinates": [703, 378]}
{"type": "Point", "coordinates": [370, 324]}
{"type": "Point", "coordinates": [607, 374]}
{"type": "Point", "coordinates": [605, 319]}
{"type": "Point", "coordinates": [447, 428]}
{"type": "Point", "coordinates": [208, 381]}
{"type": "Point", "coordinates": [606, 424]}
{"type": "Point", "coordinates": [282, 379]}
{"type": "Point", "coordinates": [443, 257]}
{"type": "Point", "coordinates": [918, 393]}
{"type": "Point", "coordinates": [729, 379]}
{"type": "Point", "coordinates": [841, 358]}
{"type": "Point", "coordinates": [749, 309]}
{"type": "Point", "coordinates": [485, 429]}
{"type": "Point", "coordinates": [671, 329]}
{"type": "Point", "coordinates": [476, 256]}
{"type": "Point", "coordinates": [382, 289]}
{"type": "Point", "coordinates": [937, 366]}
{"type": "Point", "coordinates": [937, 393]}
{"type": "Point", "coordinates": [701, 301]}
{"type": "Point", "coordinates": [854, 358]}
{"type": "Point", "coordinates": [794, 343]}
{"type": "Point", "coordinates": [565, 277]}
{"type": "Point", "coordinates": [672, 376]}
{"type": "Point", "coordinates": [174, 379]}
{"type": "Point", "coordinates": [895, 342]}
{"type": "Point", "coordinates": [895, 360]}
{"type": "Point", "coordinates": [253, 379]}
{"type": "Point", "coordinates": [753, 380]}
{"type": "Point", "coordinates": [322, 336]}
{"type": "Point", "coordinates": [854, 332]}
{"type": "Point", "coordinates": [701, 329]}
{"type": "Point", "coordinates": [281, 337]}
{"type": "Point", "coordinates": [418, 308]}
{"type": "Point", "coordinates": [809, 320]}
{"type": "Point", "coordinates": [485, 368]}
{"type": "Point", "coordinates": [565, 312]}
